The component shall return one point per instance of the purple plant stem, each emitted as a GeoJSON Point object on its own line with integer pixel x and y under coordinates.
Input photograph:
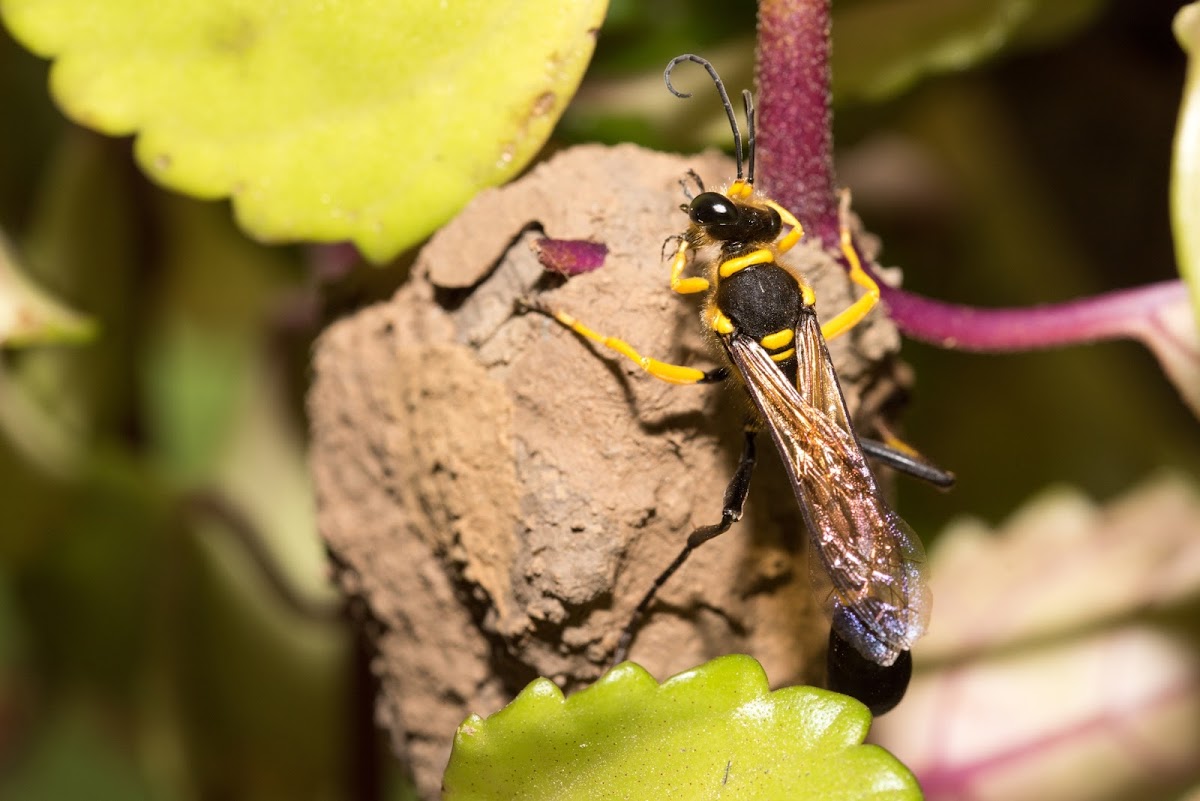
{"type": "Point", "coordinates": [795, 162]}
{"type": "Point", "coordinates": [795, 132]}
{"type": "Point", "coordinates": [1120, 314]}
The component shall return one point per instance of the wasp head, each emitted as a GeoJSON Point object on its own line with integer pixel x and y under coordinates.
{"type": "Point", "coordinates": [728, 220]}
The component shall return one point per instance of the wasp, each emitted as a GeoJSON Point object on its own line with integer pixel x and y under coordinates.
{"type": "Point", "coordinates": [763, 314]}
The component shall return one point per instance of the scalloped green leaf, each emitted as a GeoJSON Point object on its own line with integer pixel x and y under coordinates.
{"type": "Point", "coordinates": [714, 732]}
{"type": "Point", "coordinates": [372, 122]}
{"type": "Point", "coordinates": [1185, 165]}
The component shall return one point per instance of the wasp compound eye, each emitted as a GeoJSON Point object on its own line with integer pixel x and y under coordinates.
{"type": "Point", "coordinates": [713, 208]}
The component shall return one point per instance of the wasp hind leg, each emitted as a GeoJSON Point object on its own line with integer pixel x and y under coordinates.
{"type": "Point", "coordinates": [731, 512]}
{"type": "Point", "coordinates": [899, 455]}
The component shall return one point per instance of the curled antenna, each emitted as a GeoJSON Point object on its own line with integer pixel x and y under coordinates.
{"type": "Point", "coordinates": [748, 102]}
{"type": "Point", "coordinates": [737, 134]}
{"type": "Point", "coordinates": [687, 190]}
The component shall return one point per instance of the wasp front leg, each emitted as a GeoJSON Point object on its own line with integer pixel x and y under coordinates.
{"type": "Point", "coordinates": [664, 371]}
{"type": "Point", "coordinates": [685, 286]}
{"type": "Point", "coordinates": [796, 229]}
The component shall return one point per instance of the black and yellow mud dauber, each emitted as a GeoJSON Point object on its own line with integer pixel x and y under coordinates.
{"type": "Point", "coordinates": [763, 314]}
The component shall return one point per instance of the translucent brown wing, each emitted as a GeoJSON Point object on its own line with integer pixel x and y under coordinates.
{"type": "Point", "coordinates": [870, 557]}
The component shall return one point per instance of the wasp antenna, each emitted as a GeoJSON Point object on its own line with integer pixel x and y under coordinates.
{"type": "Point", "coordinates": [687, 190]}
{"type": "Point", "coordinates": [748, 102]}
{"type": "Point", "coordinates": [712, 71]}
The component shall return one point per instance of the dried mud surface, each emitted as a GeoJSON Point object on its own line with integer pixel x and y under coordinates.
{"type": "Point", "coordinates": [498, 493]}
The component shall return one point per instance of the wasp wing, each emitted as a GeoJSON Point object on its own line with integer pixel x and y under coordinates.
{"type": "Point", "coordinates": [872, 559]}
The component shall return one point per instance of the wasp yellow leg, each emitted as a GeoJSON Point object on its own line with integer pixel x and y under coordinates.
{"type": "Point", "coordinates": [671, 373]}
{"type": "Point", "coordinates": [789, 219]}
{"type": "Point", "coordinates": [685, 286]}
{"type": "Point", "coordinates": [852, 316]}
{"type": "Point", "coordinates": [895, 443]}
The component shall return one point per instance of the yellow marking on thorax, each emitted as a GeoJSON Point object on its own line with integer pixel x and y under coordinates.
{"type": "Point", "coordinates": [731, 266]}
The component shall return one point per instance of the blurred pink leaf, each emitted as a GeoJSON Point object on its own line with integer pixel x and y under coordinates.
{"type": "Point", "coordinates": [1063, 658]}
{"type": "Point", "coordinates": [1172, 334]}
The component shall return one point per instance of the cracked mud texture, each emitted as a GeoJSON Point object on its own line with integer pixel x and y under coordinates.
{"type": "Point", "coordinates": [497, 493]}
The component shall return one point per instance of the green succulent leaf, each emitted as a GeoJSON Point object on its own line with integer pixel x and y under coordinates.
{"type": "Point", "coordinates": [372, 122]}
{"type": "Point", "coordinates": [715, 732]}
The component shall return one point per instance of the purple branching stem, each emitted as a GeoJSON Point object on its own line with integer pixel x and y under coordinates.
{"type": "Point", "coordinates": [795, 165]}
{"type": "Point", "coordinates": [1113, 315]}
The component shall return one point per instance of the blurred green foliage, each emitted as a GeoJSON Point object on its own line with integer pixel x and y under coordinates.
{"type": "Point", "coordinates": [166, 629]}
